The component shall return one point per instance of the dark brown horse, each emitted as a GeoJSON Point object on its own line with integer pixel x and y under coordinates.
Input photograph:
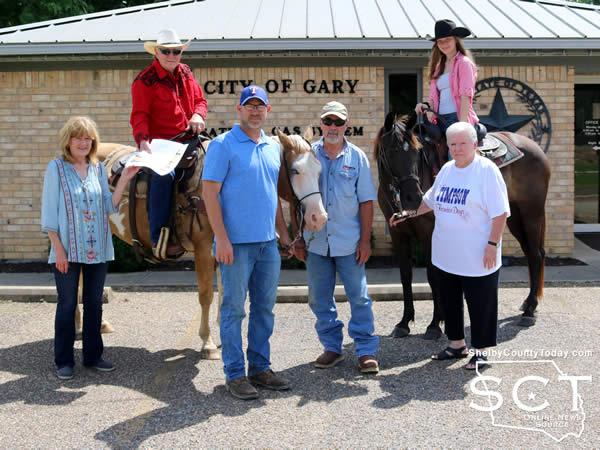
{"type": "Point", "coordinates": [406, 171]}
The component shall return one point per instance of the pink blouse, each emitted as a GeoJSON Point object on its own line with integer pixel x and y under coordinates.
{"type": "Point", "coordinates": [462, 82]}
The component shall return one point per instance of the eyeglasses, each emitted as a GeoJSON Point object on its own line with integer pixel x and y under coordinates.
{"type": "Point", "coordinates": [250, 107]}
{"type": "Point", "coordinates": [167, 51]}
{"type": "Point", "coordinates": [329, 121]}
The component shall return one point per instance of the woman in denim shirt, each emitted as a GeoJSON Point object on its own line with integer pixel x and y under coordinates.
{"type": "Point", "coordinates": [76, 203]}
{"type": "Point", "coordinates": [452, 75]}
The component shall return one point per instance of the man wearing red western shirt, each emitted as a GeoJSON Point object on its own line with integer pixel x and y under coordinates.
{"type": "Point", "coordinates": [166, 100]}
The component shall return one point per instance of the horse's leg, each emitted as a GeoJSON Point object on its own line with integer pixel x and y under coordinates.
{"type": "Point", "coordinates": [78, 316]}
{"type": "Point", "coordinates": [402, 328]}
{"type": "Point", "coordinates": [204, 274]}
{"type": "Point", "coordinates": [433, 331]}
{"type": "Point", "coordinates": [530, 235]}
{"type": "Point", "coordinates": [515, 226]}
{"type": "Point", "coordinates": [78, 320]}
{"type": "Point", "coordinates": [105, 326]}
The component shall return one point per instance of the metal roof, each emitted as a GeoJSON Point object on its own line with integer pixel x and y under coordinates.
{"type": "Point", "coordinates": [239, 25]}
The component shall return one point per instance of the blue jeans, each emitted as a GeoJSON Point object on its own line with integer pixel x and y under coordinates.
{"type": "Point", "coordinates": [448, 119]}
{"type": "Point", "coordinates": [321, 284]}
{"type": "Point", "coordinates": [94, 276]}
{"type": "Point", "coordinates": [255, 270]}
{"type": "Point", "coordinates": [160, 195]}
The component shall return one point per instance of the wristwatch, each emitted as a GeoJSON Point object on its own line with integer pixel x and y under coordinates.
{"type": "Point", "coordinates": [495, 244]}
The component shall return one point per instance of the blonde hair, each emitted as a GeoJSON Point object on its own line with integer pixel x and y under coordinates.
{"type": "Point", "coordinates": [77, 127]}
{"type": "Point", "coordinates": [438, 59]}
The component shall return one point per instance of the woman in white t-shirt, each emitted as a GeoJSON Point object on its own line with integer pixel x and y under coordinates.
{"type": "Point", "coordinates": [470, 204]}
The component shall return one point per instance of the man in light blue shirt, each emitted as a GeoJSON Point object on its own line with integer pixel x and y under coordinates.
{"type": "Point", "coordinates": [240, 191]}
{"type": "Point", "coordinates": [343, 245]}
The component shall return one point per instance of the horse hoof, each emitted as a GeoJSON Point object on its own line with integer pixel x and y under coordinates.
{"type": "Point", "coordinates": [526, 321]}
{"type": "Point", "coordinates": [210, 353]}
{"type": "Point", "coordinates": [432, 334]}
{"type": "Point", "coordinates": [400, 332]}
{"type": "Point", "coordinates": [106, 328]}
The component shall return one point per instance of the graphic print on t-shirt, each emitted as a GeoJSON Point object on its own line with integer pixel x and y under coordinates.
{"type": "Point", "coordinates": [452, 196]}
{"type": "Point", "coordinates": [455, 196]}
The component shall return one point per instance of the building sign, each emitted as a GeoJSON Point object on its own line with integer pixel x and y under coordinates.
{"type": "Point", "coordinates": [532, 119]}
{"type": "Point", "coordinates": [317, 132]}
{"type": "Point", "coordinates": [310, 86]}
{"type": "Point", "coordinates": [591, 133]}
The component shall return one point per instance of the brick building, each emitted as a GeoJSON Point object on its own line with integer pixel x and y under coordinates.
{"type": "Point", "coordinates": [369, 54]}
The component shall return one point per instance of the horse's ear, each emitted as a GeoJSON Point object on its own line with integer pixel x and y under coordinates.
{"type": "Point", "coordinates": [308, 134]}
{"type": "Point", "coordinates": [283, 138]}
{"type": "Point", "coordinates": [389, 120]}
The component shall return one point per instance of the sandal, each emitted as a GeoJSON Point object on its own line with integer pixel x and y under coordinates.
{"type": "Point", "coordinates": [451, 353]}
{"type": "Point", "coordinates": [473, 362]}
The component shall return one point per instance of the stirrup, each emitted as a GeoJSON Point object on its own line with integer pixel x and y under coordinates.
{"type": "Point", "coordinates": [160, 251]}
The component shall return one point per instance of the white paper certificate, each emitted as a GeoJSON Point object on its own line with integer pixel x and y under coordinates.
{"type": "Point", "coordinates": [164, 157]}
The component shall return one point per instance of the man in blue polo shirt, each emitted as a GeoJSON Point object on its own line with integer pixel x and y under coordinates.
{"type": "Point", "coordinates": [343, 245]}
{"type": "Point", "coordinates": [240, 191]}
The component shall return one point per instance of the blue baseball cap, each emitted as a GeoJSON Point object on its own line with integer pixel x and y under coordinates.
{"type": "Point", "coordinates": [253, 91]}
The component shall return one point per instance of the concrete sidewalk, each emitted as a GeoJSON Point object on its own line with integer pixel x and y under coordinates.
{"type": "Point", "coordinates": [384, 284]}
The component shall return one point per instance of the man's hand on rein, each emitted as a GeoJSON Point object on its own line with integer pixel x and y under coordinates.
{"type": "Point", "coordinates": [300, 250]}
{"type": "Point", "coordinates": [196, 124]}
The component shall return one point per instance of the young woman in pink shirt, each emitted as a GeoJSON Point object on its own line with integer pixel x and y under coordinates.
{"type": "Point", "coordinates": [452, 74]}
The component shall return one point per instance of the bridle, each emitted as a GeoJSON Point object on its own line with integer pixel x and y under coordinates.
{"type": "Point", "coordinates": [298, 203]}
{"type": "Point", "coordinates": [383, 165]}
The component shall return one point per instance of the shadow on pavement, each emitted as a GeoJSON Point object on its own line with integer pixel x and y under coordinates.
{"type": "Point", "coordinates": [168, 376]}
{"type": "Point", "coordinates": [433, 381]}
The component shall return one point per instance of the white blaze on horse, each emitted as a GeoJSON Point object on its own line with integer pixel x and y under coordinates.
{"type": "Point", "coordinates": [299, 179]}
{"type": "Point", "coordinates": [298, 184]}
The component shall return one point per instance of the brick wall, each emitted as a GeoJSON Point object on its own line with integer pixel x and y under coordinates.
{"type": "Point", "coordinates": [34, 106]}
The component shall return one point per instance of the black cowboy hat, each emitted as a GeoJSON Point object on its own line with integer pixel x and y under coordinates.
{"type": "Point", "coordinates": [445, 28]}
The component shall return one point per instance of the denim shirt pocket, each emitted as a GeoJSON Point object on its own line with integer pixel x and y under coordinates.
{"type": "Point", "coordinates": [347, 181]}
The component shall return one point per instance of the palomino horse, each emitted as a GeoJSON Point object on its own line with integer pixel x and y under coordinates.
{"type": "Point", "coordinates": [298, 178]}
{"type": "Point", "coordinates": [406, 172]}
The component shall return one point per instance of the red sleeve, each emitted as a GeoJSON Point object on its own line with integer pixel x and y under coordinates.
{"type": "Point", "coordinates": [200, 104]}
{"type": "Point", "coordinates": [140, 111]}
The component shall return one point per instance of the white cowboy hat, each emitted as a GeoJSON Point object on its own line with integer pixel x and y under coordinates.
{"type": "Point", "coordinates": [166, 39]}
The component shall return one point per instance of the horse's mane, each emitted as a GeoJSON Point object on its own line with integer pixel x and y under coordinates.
{"type": "Point", "coordinates": [405, 123]}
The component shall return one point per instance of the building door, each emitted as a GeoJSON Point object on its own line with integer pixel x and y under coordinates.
{"type": "Point", "coordinates": [402, 91]}
{"type": "Point", "coordinates": [587, 157]}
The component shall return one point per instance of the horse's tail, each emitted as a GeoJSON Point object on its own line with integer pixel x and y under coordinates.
{"type": "Point", "coordinates": [540, 290]}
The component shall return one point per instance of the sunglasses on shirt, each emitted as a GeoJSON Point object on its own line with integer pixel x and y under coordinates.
{"type": "Point", "coordinates": [329, 121]}
{"type": "Point", "coordinates": [167, 51]}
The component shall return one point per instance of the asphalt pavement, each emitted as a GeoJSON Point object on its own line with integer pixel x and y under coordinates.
{"type": "Point", "coordinates": [162, 394]}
